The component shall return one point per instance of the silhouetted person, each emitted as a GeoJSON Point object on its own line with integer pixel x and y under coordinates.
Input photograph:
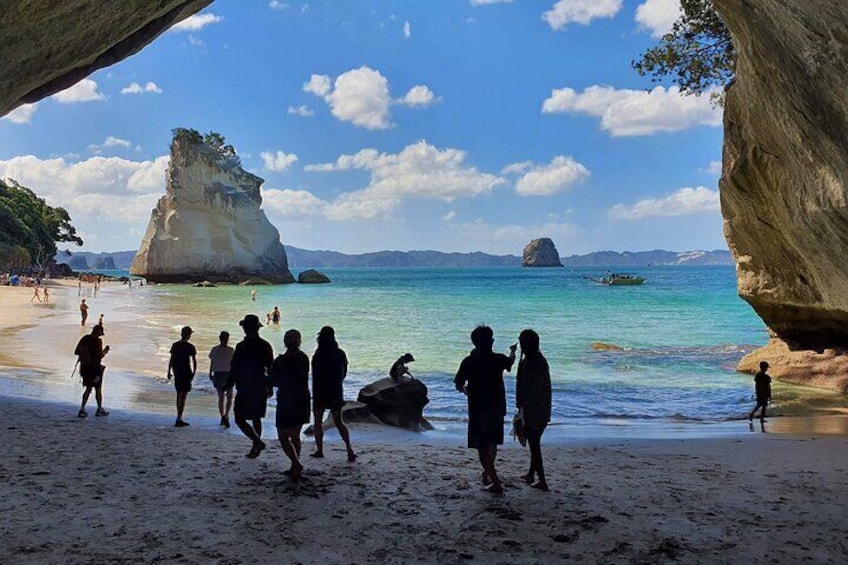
{"type": "Point", "coordinates": [329, 369]}
{"type": "Point", "coordinates": [399, 368]}
{"type": "Point", "coordinates": [83, 312]}
{"type": "Point", "coordinates": [290, 374]}
{"type": "Point", "coordinates": [182, 366]}
{"type": "Point", "coordinates": [220, 358]}
{"type": "Point", "coordinates": [480, 377]}
{"type": "Point", "coordinates": [533, 400]}
{"type": "Point", "coordinates": [275, 316]}
{"type": "Point", "coordinates": [90, 352]}
{"type": "Point", "coordinates": [762, 387]}
{"type": "Point", "coordinates": [249, 371]}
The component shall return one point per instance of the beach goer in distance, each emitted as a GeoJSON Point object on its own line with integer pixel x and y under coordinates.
{"type": "Point", "coordinates": [83, 312]}
{"type": "Point", "coordinates": [399, 368]}
{"type": "Point", "coordinates": [220, 358]}
{"type": "Point", "coordinates": [90, 353]}
{"type": "Point", "coordinates": [46, 294]}
{"type": "Point", "coordinates": [249, 371]}
{"type": "Point", "coordinates": [100, 320]}
{"type": "Point", "coordinates": [480, 377]}
{"type": "Point", "coordinates": [329, 369]}
{"type": "Point", "coordinates": [533, 400]}
{"type": "Point", "coordinates": [268, 319]}
{"type": "Point", "coordinates": [290, 374]}
{"type": "Point", "coordinates": [36, 294]}
{"type": "Point", "coordinates": [762, 388]}
{"type": "Point", "coordinates": [253, 295]}
{"type": "Point", "coordinates": [182, 366]}
{"type": "Point", "coordinates": [275, 316]}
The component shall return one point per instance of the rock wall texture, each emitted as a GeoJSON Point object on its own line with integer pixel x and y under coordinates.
{"type": "Point", "coordinates": [541, 253]}
{"type": "Point", "coordinates": [784, 187]}
{"type": "Point", "coordinates": [49, 46]}
{"type": "Point", "coordinates": [209, 225]}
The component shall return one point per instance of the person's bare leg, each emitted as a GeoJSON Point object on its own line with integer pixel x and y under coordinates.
{"type": "Point", "coordinates": [343, 431]}
{"type": "Point", "coordinates": [85, 394]}
{"type": "Point", "coordinates": [296, 440]}
{"type": "Point", "coordinates": [250, 431]}
{"type": "Point", "coordinates": [286, 436]}
{"type": "Point", "coordinates": [487, 459]}
{"type": "Point", "coordinates": [318, 415]}
{"type": "Point", "coordinates": [221, 405]}
{"type": "Point", "coordinates": [181, 402]}
{"type": "Point", "coordinates": [229, 406]}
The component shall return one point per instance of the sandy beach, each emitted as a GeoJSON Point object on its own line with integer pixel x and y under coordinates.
{"type": "Point", "coordinates": [131, 488]}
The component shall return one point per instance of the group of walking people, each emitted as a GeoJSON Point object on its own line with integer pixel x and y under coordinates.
{"type": "Point", "coordinates": [251, 369]}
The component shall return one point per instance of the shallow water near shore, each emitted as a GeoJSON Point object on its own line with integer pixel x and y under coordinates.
{"type": "Point", "coordinates": [678, 337]}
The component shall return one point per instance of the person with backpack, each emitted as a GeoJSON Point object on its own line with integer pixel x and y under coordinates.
{"type": "Point", "coordinates": [90, 353]}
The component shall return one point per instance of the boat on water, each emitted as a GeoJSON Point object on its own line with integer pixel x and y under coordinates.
{"type": "Point", "coordinates": [619, 279]}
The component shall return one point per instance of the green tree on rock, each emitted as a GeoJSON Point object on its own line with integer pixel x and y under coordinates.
{"type": "Point", "coordinates": [697, 53]}
{"type": "Point", "coordinates": [30, 228]}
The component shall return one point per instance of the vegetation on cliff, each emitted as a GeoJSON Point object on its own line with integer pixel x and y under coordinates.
{"type": "Point", "coordinates": [213, 140]}
{"type": "Point", "coordinates": [697, 53]}
{"type": "Point", "coordinates": [30, 228]}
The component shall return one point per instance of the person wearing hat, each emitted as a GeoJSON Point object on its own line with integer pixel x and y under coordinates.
{"type": "Point", "coordinates": [182, 365]}
{"type": "Point", "coordinates": [399, 368]}
{"type": "Point", "coordinates": [329, 369]}
{"type": "Point", "coordinates": [249, 371]}
{"type": "Point", "coordinates": [90, 353]}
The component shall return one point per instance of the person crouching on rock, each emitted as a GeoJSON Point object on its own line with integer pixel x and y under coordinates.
{"type": "Point", "coordinates": [290, 374]}
{"type": "Point", "coordinates": [329, 369]}
{"type": "Point", "coordinates": [399, 368]}
{"type": "Point", "coordinates": [90, 352]}
{"type": "Point", "coordinates": [249, 372]}
{"type": "Point", "coordinates": [182, 366]}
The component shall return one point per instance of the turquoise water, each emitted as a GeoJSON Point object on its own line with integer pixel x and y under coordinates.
{"type": "Point", "coordinates": [682, 332]}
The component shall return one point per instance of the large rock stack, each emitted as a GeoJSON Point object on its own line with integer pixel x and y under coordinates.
{"type": "Point", "coordinates": [541, 253]}
{"type": "Point", "coordinates": [209, 225]}
{"type": "Point", "coordinates": [784, 189]}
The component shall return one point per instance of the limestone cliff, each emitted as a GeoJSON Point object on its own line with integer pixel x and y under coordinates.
{"type": "Point", "coordinates": [541, 253]}
{"type": "Point", "coordinates": [49, 46]}
{"type": "Point", "coordinates": [209, 225]}
{"type": "Point", "coordinates": [784, 187]}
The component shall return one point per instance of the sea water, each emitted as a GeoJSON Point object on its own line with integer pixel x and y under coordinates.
{"type": "Point", "coordinates": [677, 337]}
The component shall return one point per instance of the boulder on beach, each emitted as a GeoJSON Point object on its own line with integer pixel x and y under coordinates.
{"type": "Point", "coordinates": [312, 276]}
{"type": "Point", "coordinates": [397, 403]}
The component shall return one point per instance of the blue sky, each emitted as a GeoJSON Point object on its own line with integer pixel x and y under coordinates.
{"type": "Point", "coordinates": [455, 125]}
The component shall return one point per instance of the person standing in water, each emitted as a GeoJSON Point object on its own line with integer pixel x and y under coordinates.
{"type": "Point", "coordinates": [533, 400]}
{"type": "Point", "coordinates": [762, 388]}
{"type": "Point", "coordinates": [275, 316]}
{"type": "Point", "coordinates": [329, 369]}
{"type": "Point", "coordinates": [480, 378]}
{"type": "Point", "coordinates": [220, 358]}
{"type": "Point", "coordinates": [182, 365]}
{"type": "Point", "coordinates": [290, 374]}
{"type": "Point", "coordinates": [249, 370]}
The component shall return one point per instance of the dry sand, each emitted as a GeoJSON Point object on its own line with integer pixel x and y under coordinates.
{"type": "Point", "coordinates": [130, 488]}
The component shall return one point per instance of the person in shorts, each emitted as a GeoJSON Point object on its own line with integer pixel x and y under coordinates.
{"type": "Point", "coordinates": [329, 369]}
{"type": "Point", "coordinates": [90, 353]}
{"type": "Point", "coordinates": [182, 365]}
{"type": "Point", "coordinates": [220, 358]}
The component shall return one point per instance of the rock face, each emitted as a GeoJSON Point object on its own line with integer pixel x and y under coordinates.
{"type": "Point", "coordinates": [105, 264]}
{"type": "Point", "coordinates": [78, 263]}
{"type": "Point", "coordinates": [397, 403]}
{"type": "Point", "coordinates": [312, 276]}
{"type": "Point", "coordinates": [541, 253]}
{"type": "Point", "coordinates": [785, 166]}
{"type": "Point", "coordinates": [49, 46]}
{"type": "Point", "coordinates": [209, 225]}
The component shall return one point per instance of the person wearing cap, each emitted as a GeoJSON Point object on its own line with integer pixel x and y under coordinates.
{"type": "Point", "coordinates": [329, 369]}
{"type": "Point", "coordinates": [182, 366]}
{"type": "Point", "coordinates": [90, 353]}
{"type": "Point", "coordinates": [220, 358]}
{"type": "Point", "coordinates": [249, 372]}
{"type": "Point", "coordinates": [399, 368]}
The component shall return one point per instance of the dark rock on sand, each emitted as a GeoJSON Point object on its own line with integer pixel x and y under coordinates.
{"type": "Point", "coordinates": [312, 276]}
{"type": "Point", "coordinates": [397, 403]}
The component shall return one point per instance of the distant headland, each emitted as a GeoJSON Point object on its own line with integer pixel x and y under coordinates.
{"type": "Point", "coordinates": [303, 258]}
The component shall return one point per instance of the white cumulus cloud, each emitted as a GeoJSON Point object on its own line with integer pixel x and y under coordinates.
{"type": "Point", "coordinates": [714, 168]}
{"type": "Point", "coordinates": [683, 202]}
{"type": "Point", "coordinates": [293, 204]}
{"type": "Point", "coordinates": [111, 141]}
{"type": "Point", "coordinates": [196, 22]}
{"type": "Point", "coordinates": [407, 30]}
{"type": "Point", "coordinates": [581, 12]}
{"type": "Point", "coordinates": [544, 180]}
{"type": "Point", "coordinates": [635, 112]}
{"type": "Point", "coordinates": [277, 161]}
{"type": "Point", "coordinates": [302, 110]}
{"type": "Point", "coordinates": [22, 114]}
{"type": "Point", "coordinates": [136, 88]}
{"type": "Point", "coordinates": [83, 91]}
{"type": "Point", "coordinates": [361, 97]}
{"type": "Point", "coordinates": [277, 5]}
{"type": "Point", "coordinates": [657, 16]}
{"type": "Point", "coordinates": [419, 171]}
